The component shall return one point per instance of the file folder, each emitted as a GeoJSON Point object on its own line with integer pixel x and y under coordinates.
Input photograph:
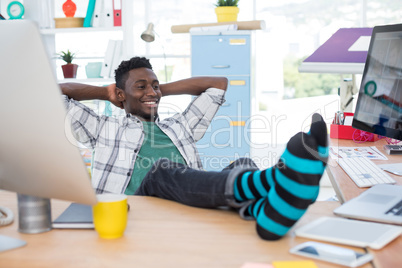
{"type": "Point", "coordinates": [117, 57]}
{"type": "Point", "coordinates": [90, 13]}
{"type": "Point", "coordinates": [103, 14]}
{"type": "Point", "coordinates": [117, 12]}
{"type": "Point", "coordinates": [108, 61]}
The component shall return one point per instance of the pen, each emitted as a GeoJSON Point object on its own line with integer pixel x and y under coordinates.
{"type": "Point", "coordinates": [337, 118]}
{"type": "Point", "coordinates": [341, 118]}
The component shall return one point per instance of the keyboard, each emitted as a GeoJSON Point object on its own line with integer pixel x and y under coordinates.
{"type": "Point", "coordinates": [364, 172]}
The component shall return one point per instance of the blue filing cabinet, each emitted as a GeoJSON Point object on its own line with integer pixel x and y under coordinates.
{"type": "Point", "coordinates": [225, 54]}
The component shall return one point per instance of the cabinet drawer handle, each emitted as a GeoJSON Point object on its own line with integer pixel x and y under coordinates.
{"type": "Point", "coordinates": [237, 82]}
{"type": "Point", "coordinates": [220, 66]}
{"type": "Point", "coordinates": [238, 123]}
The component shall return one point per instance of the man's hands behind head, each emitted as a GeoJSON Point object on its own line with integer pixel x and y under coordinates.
{"type": "Point", "coordinates": [112, 95]}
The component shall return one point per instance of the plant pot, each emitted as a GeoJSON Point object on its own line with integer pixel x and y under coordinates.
{"type": "Point", "coordinates": [70, 70]}
{"type": "Point", "coordinates": [228, 13]}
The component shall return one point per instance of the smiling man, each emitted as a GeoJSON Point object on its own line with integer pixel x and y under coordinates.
{"type": "Point", "coordinates": [142, 155]}
{"type": "Point", "coordinates": [125, 148]}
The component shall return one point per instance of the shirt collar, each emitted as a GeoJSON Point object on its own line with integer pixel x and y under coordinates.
{"type": "Point", "coordinates": [139, 118]}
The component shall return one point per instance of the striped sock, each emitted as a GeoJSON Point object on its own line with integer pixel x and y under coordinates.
{"type": "Point", "coordinates": [283, 192]}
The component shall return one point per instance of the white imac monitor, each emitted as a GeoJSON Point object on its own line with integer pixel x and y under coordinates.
{"type": "Point", "coordinates": [38, 155]}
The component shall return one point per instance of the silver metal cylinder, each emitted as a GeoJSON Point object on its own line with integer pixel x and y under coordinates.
{"type": "Point", "coordinates": [34, 214]}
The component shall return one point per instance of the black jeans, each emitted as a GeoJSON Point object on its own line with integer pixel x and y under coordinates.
{"type": "Point", "coordinates": [198, 188]}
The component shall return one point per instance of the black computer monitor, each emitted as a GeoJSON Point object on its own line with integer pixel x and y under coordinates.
{"type": "Point", "coordinates": [379, 103]}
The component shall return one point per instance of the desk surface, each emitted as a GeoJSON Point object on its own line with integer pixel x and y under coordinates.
{"type": "Point", "coordinates": [346, 189]}
{"type": "Point", "coordinates": [160, 233]}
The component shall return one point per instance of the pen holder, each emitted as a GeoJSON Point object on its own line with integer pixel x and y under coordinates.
{"type": "Point", "coordinates": [350, 133]}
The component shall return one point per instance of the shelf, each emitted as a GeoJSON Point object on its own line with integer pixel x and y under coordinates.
{"type": "Point", "coordinates": [79, 29]}
{"type": "Point", "coordinates": [241, 25]}
{"type": "Point", "coordinates": [88, 80]}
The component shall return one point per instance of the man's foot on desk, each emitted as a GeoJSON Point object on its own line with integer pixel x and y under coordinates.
{"type": "Point", "coordinates": [283, 192]}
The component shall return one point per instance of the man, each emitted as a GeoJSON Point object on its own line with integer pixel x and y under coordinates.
{"type": "Point", "coordinates": [276, 198]}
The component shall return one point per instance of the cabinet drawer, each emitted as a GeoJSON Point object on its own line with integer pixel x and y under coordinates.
{"type": "Point", "coordinates": [220, 54]}
{"type": "Point", "coordinates": [226, 135]}
{"type": "Point", "coordinates": [237, 98]}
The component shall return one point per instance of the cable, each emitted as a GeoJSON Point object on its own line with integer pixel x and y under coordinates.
{"type": "Point", "coordinates": [6, 216]}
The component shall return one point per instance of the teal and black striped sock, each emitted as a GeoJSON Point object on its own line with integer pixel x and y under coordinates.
{"type": "Point", "coordinates": [283, 192]}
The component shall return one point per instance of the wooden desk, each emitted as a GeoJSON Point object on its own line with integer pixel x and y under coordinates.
{"type": "Point", "coordinates": [346, 189]}
{"type": "Point", "coordinates": [160, 233]}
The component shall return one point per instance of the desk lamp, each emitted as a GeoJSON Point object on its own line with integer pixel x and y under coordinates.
{"type": "Point", "coordinates": [149, 36]}
{"type": "Point", "coordinates": [345, 52]}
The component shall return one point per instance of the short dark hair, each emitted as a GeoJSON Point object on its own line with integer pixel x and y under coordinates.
{"type": "Point", "coordinates": [121, 73]}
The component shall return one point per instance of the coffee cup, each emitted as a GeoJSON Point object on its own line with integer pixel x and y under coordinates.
{"type": "Point", "coordinates": [110, 215]}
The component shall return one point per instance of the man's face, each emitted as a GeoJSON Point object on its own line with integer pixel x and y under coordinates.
{"type": "Point", "coordinates": [142, 93]}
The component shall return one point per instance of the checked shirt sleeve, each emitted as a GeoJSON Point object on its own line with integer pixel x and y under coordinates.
{"type": "Point", "coordinates": [85, 123]}
{"type": "Point", "coordinates": [202, 110]}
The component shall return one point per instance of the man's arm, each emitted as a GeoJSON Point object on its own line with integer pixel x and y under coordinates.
{"type": "Point", "coordinates": [81, 92]}
{"type": "Point", "coordinates": [193, 86]}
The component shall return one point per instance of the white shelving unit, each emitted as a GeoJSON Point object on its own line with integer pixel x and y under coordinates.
{"type": "Point", "coordinates": [54, 42]}
{"type": "Point", "coordinates": [81, 29]}
{"type": "Point", "coordinates": [51, 36]}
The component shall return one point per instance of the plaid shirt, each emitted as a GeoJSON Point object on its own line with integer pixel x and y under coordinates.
{"type": "Point", "coordinates": [116, 141]}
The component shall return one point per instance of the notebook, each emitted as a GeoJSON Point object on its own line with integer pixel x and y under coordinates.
{"type": "Point", "coordinates": [380, 203]}
{"type": "Point", "coordinates": [76, 216]}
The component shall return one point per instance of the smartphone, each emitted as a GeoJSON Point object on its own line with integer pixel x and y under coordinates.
{"type": "Point", "coordinates": [331, 253]}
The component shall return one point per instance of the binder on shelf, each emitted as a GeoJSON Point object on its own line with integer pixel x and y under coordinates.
{"type": "Point", "coordinates": [117, 12]}
{"type": "Point", "coordinates": [108, 61]}
{"type": "Point", "coordinates": [117, 57]}
{"type": "Point", "coordinates": [103, 14]}
{"type": "Point", "coordinates": [113, 57]}
{"type": "Point", "coordinates": [90, 13]}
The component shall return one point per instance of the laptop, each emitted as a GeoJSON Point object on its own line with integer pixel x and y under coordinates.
{"type": "Point", "coordinates": [380, 203]}
{"type": "Point", "coordinates": [39, 155]}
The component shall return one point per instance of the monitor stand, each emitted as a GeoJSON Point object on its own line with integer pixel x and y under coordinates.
{"type": "Point", "coordinates": [392, 168]}
{"type": "Point", "coordinates": [7, 243]}
{"type": "Point", "coordinates": [34, 214]}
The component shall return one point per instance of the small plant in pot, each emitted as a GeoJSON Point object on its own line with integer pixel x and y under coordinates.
{"type": "Point", "coordinates": [226, 10]}
{"type": "Point", "coordinates": [69, 69]}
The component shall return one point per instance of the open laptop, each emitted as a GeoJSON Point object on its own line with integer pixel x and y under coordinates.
{"type": "Point", "coordinates": [38, 154]}
{"type": "Point", "coordinates": [380, 203]}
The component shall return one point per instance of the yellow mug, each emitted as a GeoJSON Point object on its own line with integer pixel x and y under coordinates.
{"type": "Point", "coordinates": [110, 215]}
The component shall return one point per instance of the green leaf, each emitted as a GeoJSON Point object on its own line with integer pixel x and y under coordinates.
{"type": "Point", "coordinates": [67, 56]}
{"type": "Point", "coordinates": [223, 3]}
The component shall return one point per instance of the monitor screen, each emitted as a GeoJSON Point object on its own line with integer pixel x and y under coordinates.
{"type": "Point", "coordinates": [379, 103]}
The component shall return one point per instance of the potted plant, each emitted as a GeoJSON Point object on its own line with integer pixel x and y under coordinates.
{"type": "Point", "coordinates": [69, 69]}
{"type": "Point", "coordinates": [226, 10]}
